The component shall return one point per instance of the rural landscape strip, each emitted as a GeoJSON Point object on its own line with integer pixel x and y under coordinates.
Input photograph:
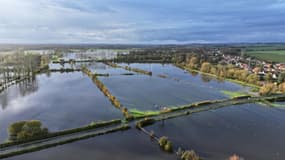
{"type": "Point", "coordinates": [168, 113]}
{"type": "Point", "coordinates": [204, 106]}
{"type": "Point", "coordinates": [68, 136]}
{"type": "Point", "coordinates": [114, 65]}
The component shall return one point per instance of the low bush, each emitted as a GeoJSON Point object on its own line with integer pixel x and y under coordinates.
{"type": "Point", "coordinates": [165, 144]}
{"type": "Point", "coordinates": [189, 155]}
{"type": "Point", "coordinates": [26, 129]}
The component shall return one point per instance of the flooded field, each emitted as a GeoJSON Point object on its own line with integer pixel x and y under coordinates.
{"type": "Point", "coordinates": [58, 100]}
{"type": "Point", "coordinates": [68, 100]}
{"type": "Point", "coordinates": [145, 92]}
{"type": "Point", "coordinates": [251, 131]}
{"type": "Point", "coordinates": [105, 69]}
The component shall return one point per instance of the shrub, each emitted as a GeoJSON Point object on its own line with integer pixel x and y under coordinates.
{"type": "Point", "coordinates": [16, 127]}
{"type": "Point", "coordinates": [165, 144]}
{"type": "Point", "coordinates": [235, 157]}
{"type": "Point", "coordinates": [282, 87]}
{"type": "Point", "coordinates": [267, 89]}
{"type": "Point", "coordinates": [189, 155]}
{"type": "Point", "coordinates": [162, 141]}
{"type": "Point", "coordinates": [168, 147]}
{"type": "Point", "coordinates": [206, 67]}
{"type": "Point", "coordinates": [26, 129]}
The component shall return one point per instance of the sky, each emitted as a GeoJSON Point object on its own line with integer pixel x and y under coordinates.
{"type": "Point", "coordinates": [142, 21]}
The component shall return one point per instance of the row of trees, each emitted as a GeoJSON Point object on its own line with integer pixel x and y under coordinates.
{"type": "Point", "coordinates": [269, 88]}
{"type": "Point", "coordinates": [231, 72]}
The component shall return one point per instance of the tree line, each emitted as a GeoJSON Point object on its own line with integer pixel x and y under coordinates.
{"type": "Point", "coordinates": [229, 71]}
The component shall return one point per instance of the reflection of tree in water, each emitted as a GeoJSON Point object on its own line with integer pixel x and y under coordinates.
{"type": "Point", "coordinates": [23, 88]}
{"type": "Point", "coordinates": [220, 80]}
{"type": "Point", "coordinates": [193, 73]}
{"type": "Point", "coordinates": [206, 78]}
{"type": "Point", "coordinates": [4, 99]}
{"type": "Point", "coordinates": [28, 86]}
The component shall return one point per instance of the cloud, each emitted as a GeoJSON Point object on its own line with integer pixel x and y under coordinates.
{"type": "Point", "coordinates": [138, 21]}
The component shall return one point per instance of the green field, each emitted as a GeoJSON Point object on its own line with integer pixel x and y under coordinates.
{"type": "Point", "coordinates": [232, 94]}
{"type": "Point", "coordinates": [269, 55]}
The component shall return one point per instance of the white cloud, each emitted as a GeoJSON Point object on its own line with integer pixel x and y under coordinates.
{"type": "Point", "coordinates": [125, 21]}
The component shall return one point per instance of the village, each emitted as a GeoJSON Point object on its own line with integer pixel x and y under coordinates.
{"type": "Point", "coordinates": [271, 70]}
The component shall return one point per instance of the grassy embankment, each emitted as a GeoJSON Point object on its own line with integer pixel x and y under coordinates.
{"type": "Point", "coordinates": [176, 111]}
{"type": "Point", "coordinates": [138, 114]}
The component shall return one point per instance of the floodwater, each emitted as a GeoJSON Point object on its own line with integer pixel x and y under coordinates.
{"type": "Point", "coordinates": [106, 69]}
{"type": "Point", "coordinates": [67, 100]}
{"type": "Point", "coordinates": [59, 100]}
{"type": "Point", "coordinates": [125, 145]}
{"type": "Point", "coordinates": [145, 92]}
{"type": "Point", "coordinates": [252, 131]}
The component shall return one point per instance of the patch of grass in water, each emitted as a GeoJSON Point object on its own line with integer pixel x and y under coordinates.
{"type": "Point", "coordinates": [138, 113]}
{"type": "Point", "coordinates": [233, 94]}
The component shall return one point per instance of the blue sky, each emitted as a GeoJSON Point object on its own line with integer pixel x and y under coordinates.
{"type": "Point", "coordinates": [141, 21]}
